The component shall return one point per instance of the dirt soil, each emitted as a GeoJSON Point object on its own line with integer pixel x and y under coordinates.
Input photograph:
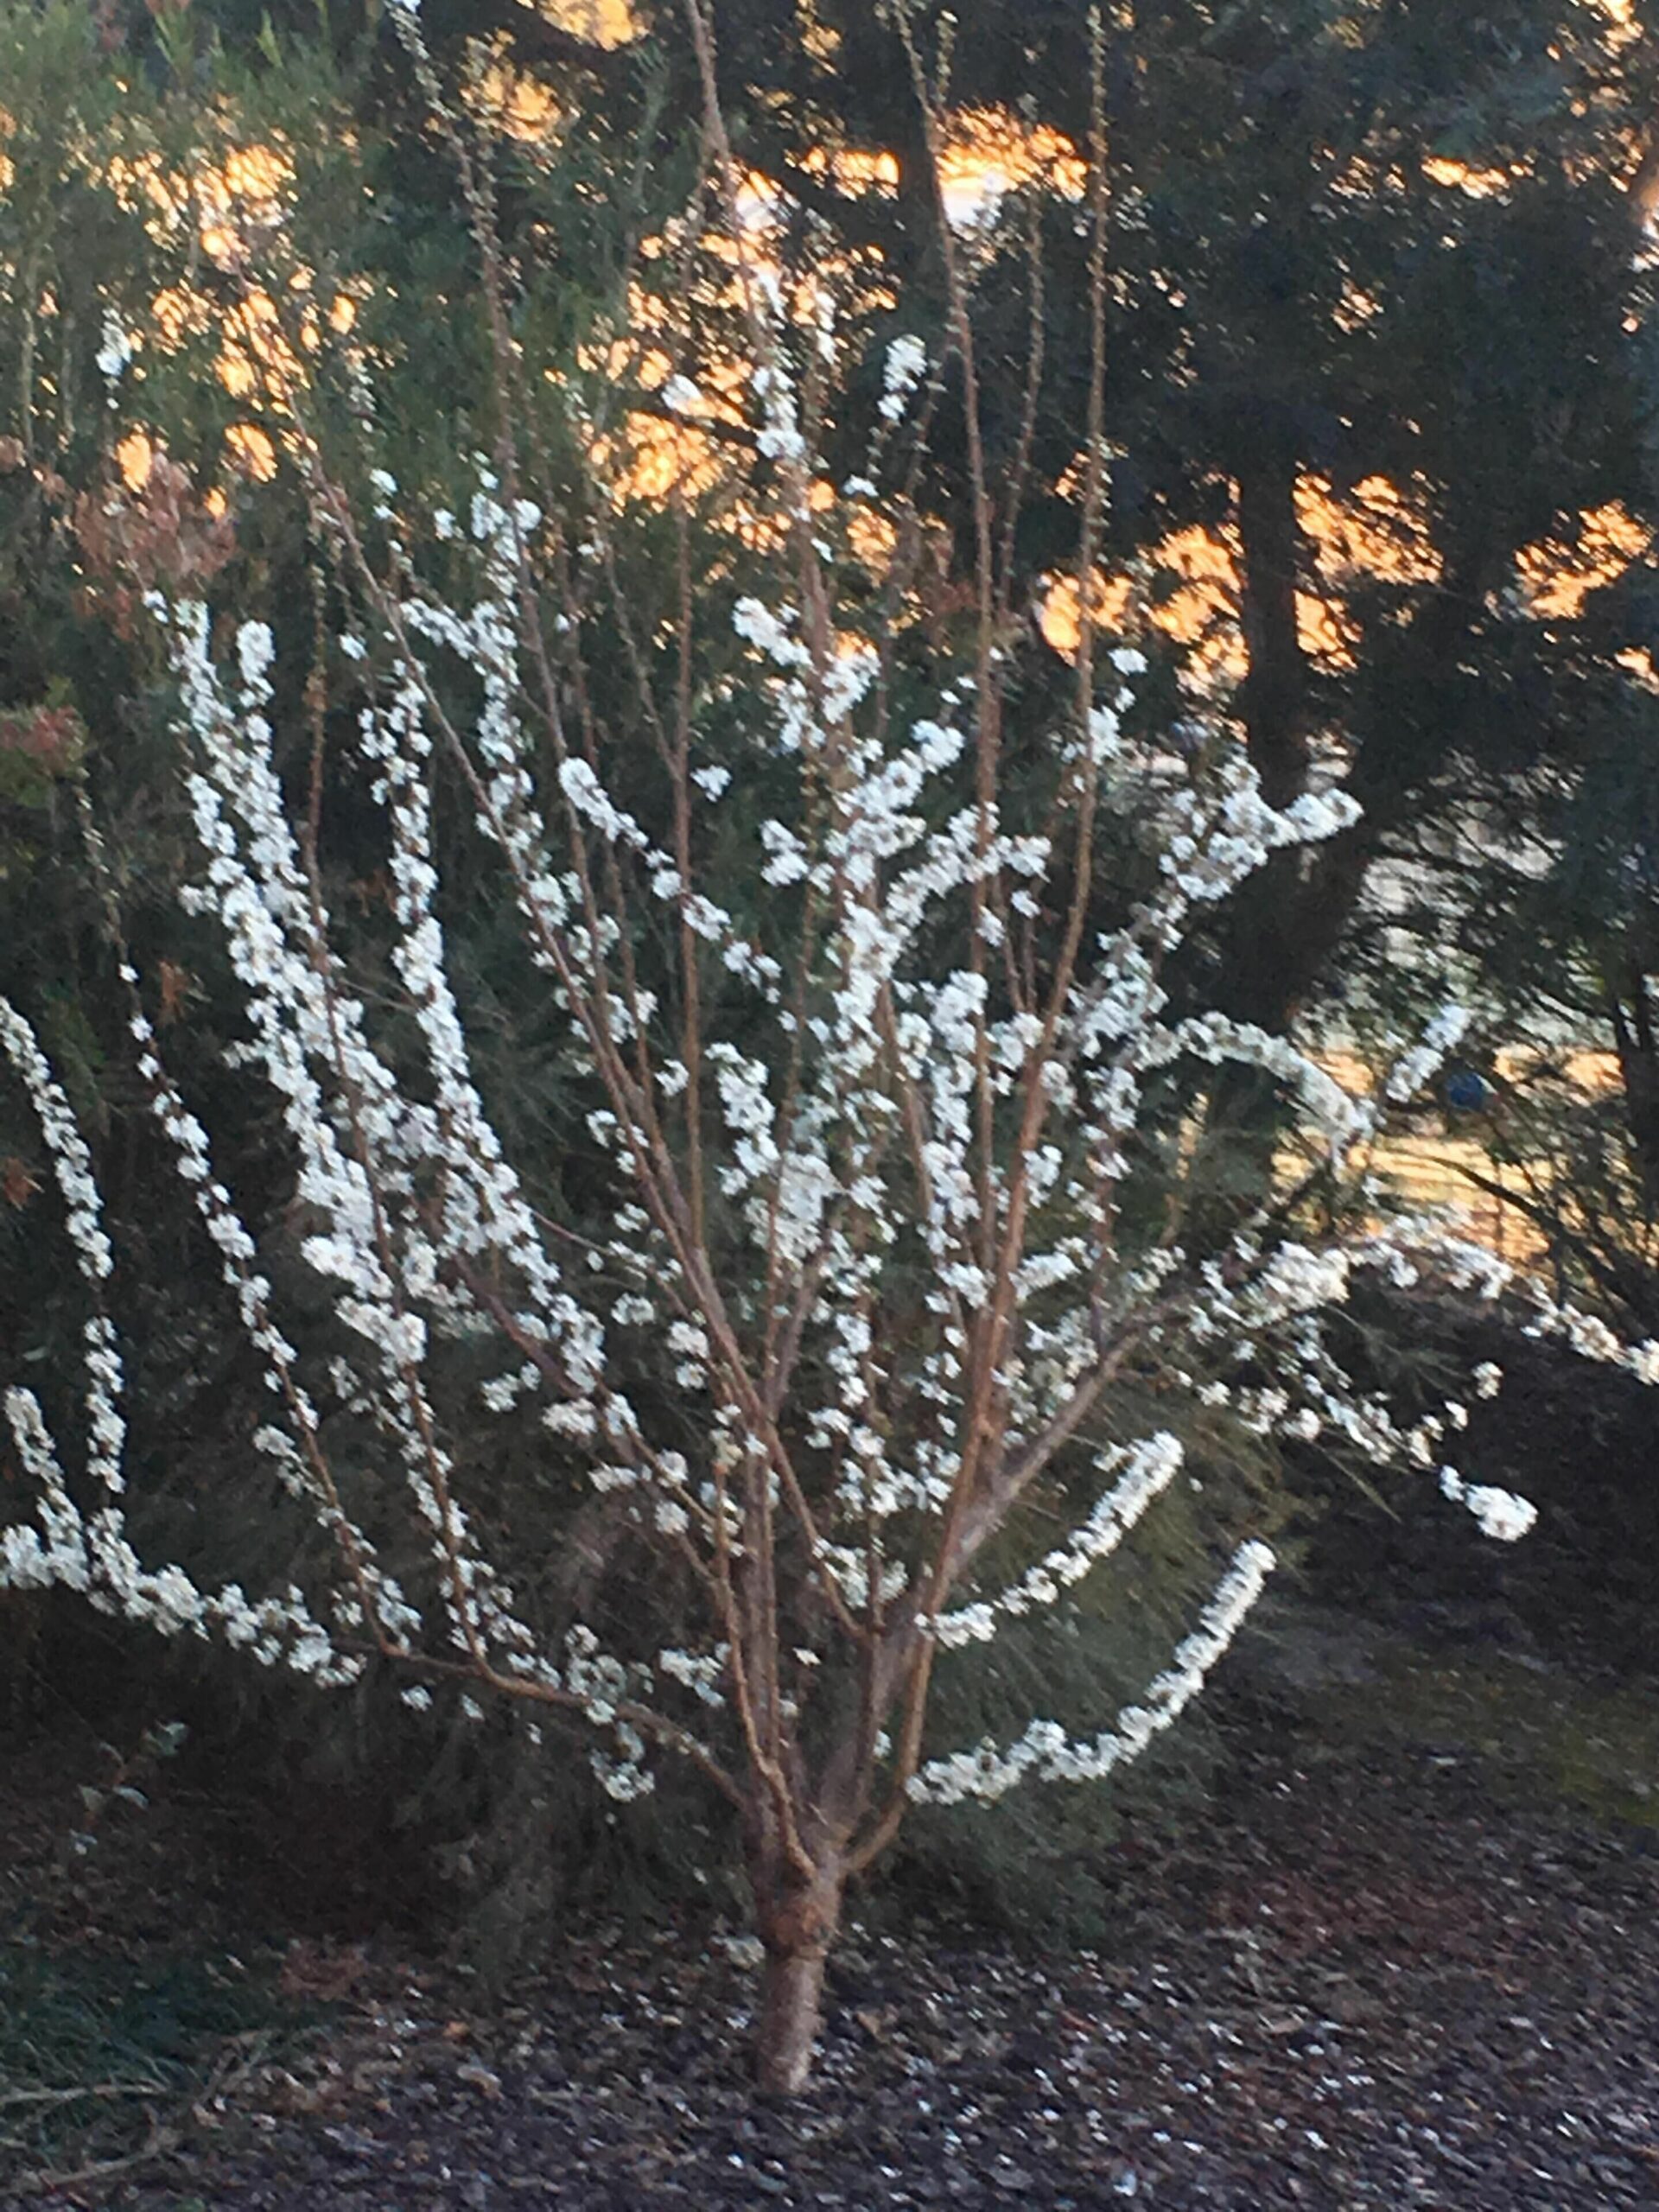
{"type": "Point", "coordinates": [1394, 1969]}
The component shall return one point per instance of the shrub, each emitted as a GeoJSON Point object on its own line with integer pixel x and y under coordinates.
{"type": "Point", "coordinates": [872, 1322]}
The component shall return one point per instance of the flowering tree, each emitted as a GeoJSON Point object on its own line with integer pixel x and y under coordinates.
{"type": "Point", "coordinates": [870, 1156]}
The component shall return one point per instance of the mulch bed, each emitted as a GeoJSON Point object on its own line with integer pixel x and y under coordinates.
{"type": "Point", "coordinates": [1363, 1983]}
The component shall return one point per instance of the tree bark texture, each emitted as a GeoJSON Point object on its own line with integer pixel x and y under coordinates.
{"type": "Point", "coordinates": [797, 1919]}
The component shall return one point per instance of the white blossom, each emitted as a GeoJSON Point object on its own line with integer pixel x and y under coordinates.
{"type": "Point", "coordinates": [907, 359]}
{"type": "Point", "coordinates": [115, 351]}
{"type": "Point", "coordinates": [1503, 1516]}
{"type": "Point", "coordinates": [1413, 1069]}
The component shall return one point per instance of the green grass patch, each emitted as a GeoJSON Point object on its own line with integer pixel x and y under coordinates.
{"type": "Point", "coordinates": [1541, 1738]}
{"type": "Point", "coordinates": [102, 2056]}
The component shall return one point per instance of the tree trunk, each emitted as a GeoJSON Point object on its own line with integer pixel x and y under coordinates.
{"type": "Point", "coordinates": [791, 2007]}
{"type": "Point", "coordinates": [1638, 1067]}
{"type": "Point", "coordinates": [1274, 950]}
{"type": "Point", "coordinates": [797, 1920]}
{"type": "Point", "coordinates": [1273, 695]}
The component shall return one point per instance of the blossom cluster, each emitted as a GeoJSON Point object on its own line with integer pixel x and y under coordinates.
{"type": "Point", "coordinates": [1047, 1753]}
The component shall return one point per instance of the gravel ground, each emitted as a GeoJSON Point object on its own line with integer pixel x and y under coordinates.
{"type": "Point", "coordinates": [1365, 1984]}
